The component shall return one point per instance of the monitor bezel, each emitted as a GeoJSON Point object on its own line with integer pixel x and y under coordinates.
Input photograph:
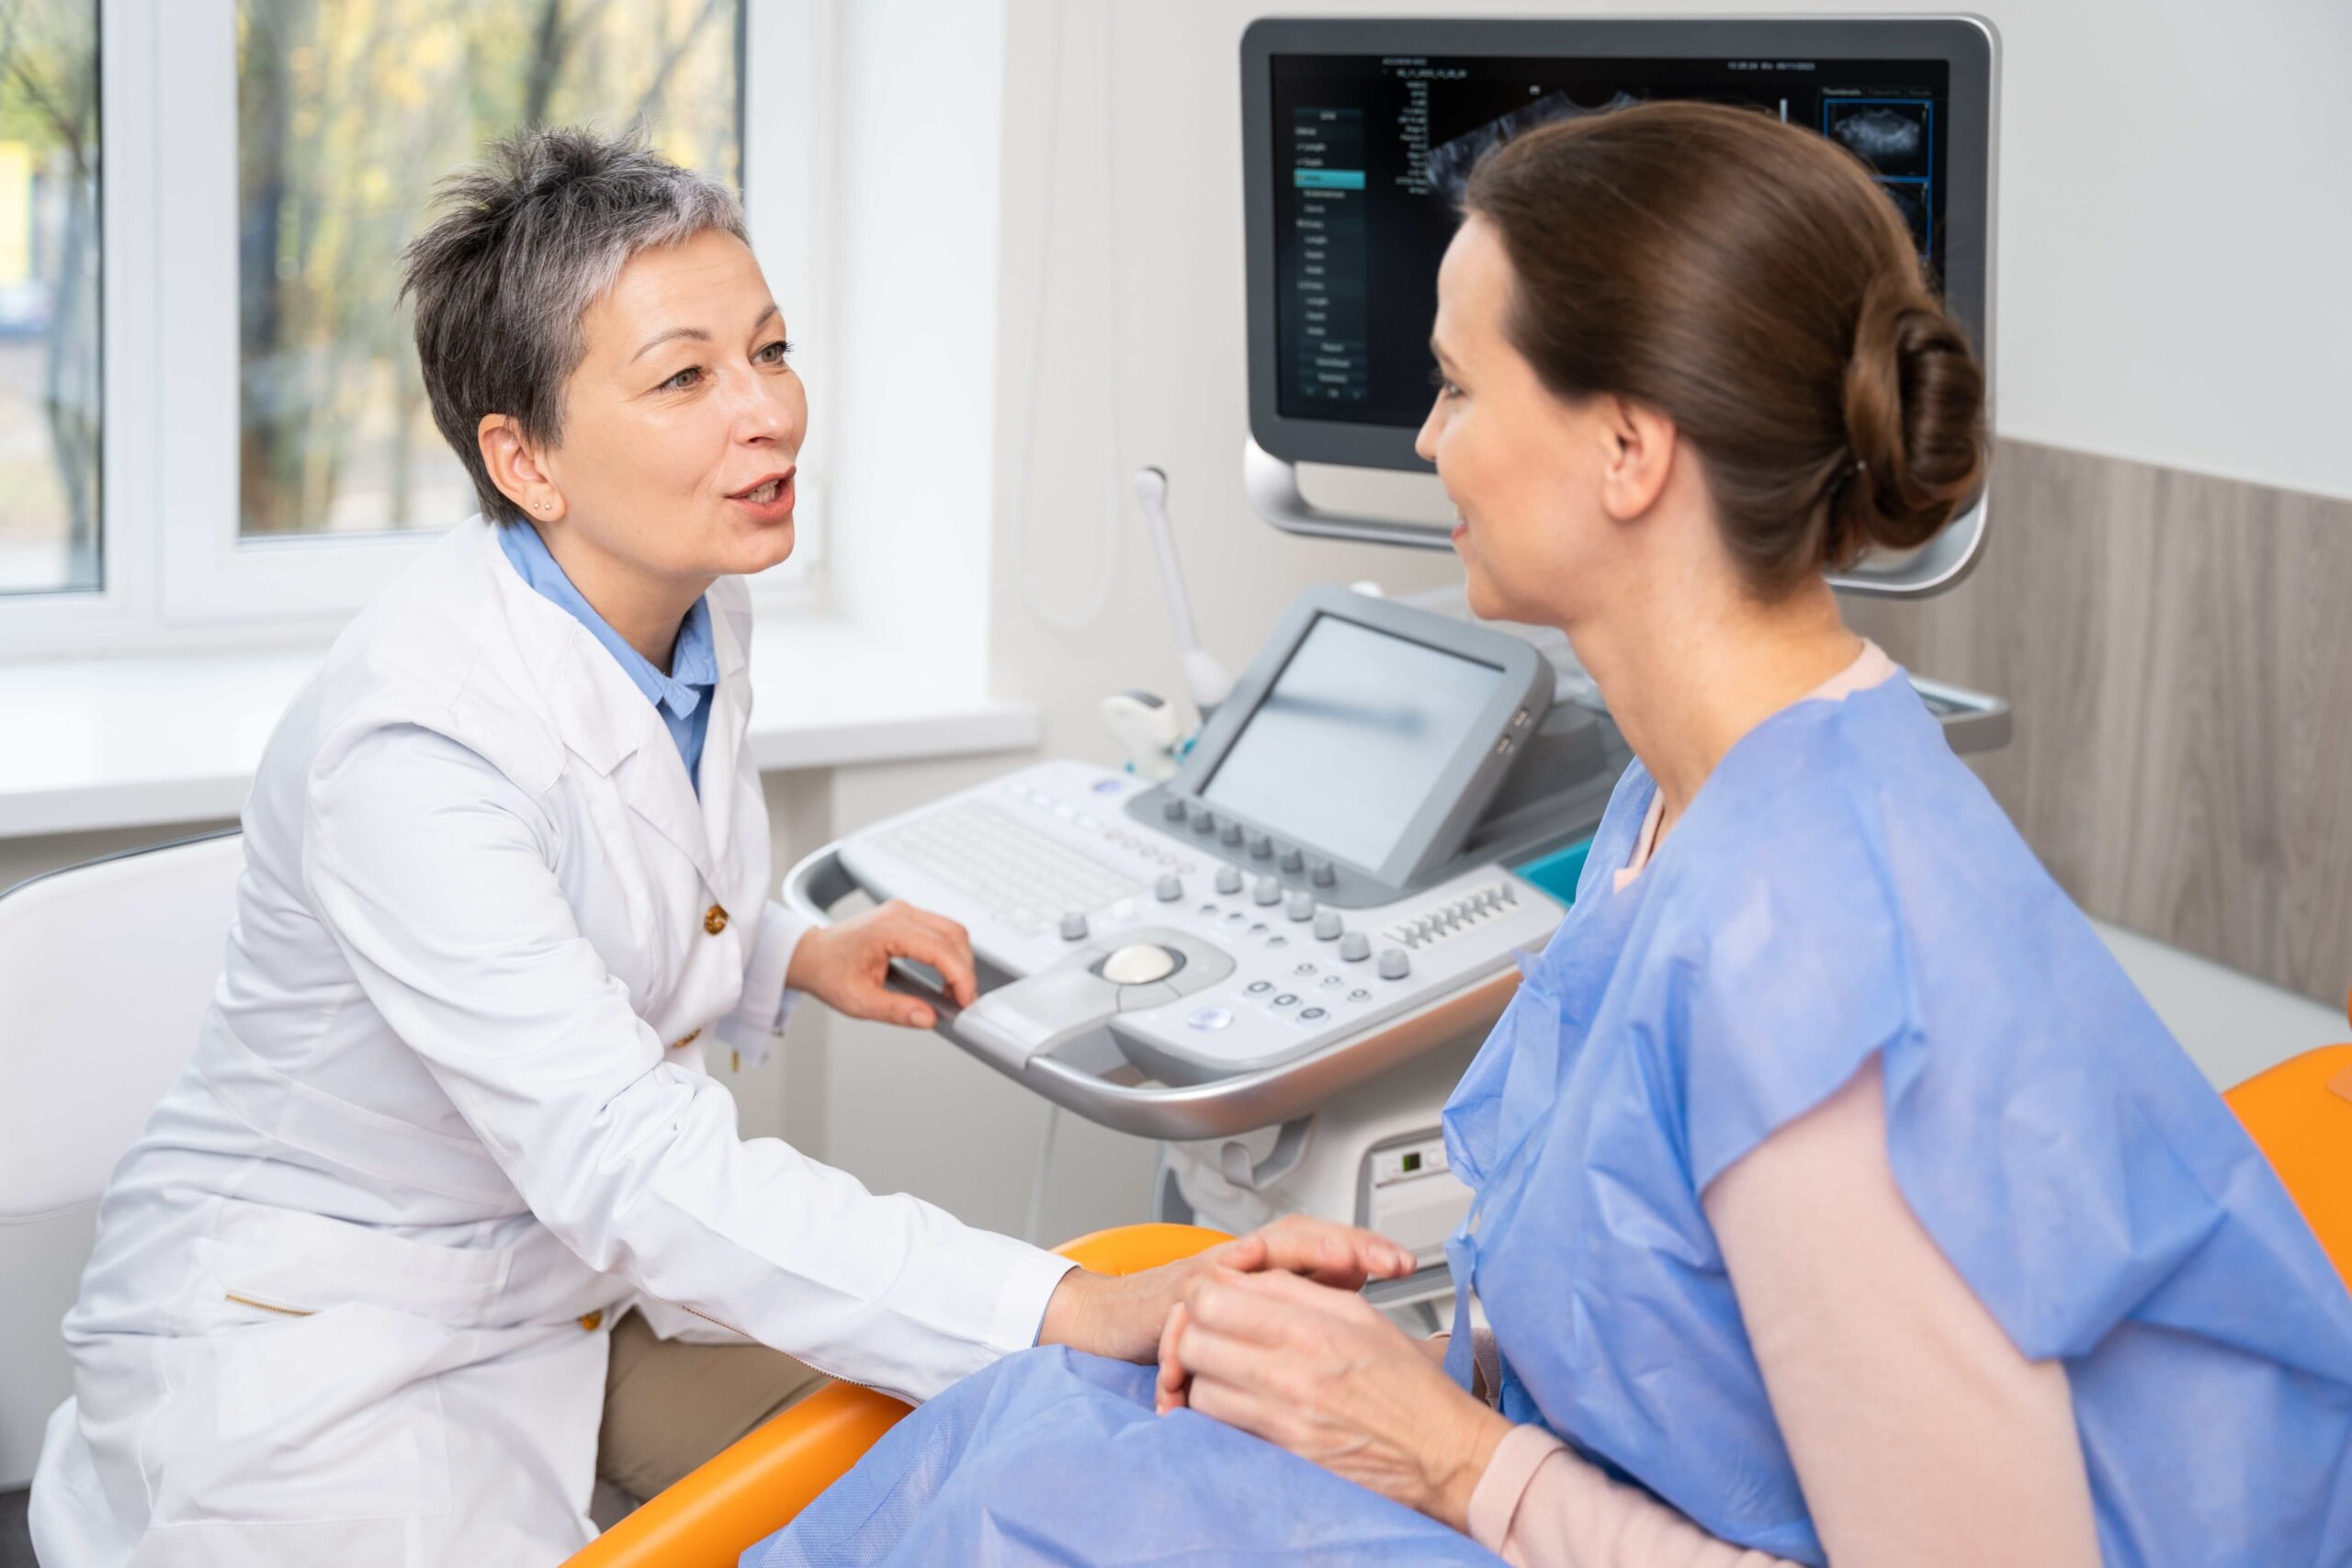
{"type": "Point", "coordinates": [1461, 789]}
{"type": "Point", "coordinates": [1964, 43]}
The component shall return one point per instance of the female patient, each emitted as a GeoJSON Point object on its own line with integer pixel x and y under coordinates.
{"type": "Point", "coordinates": [1837, 1198]}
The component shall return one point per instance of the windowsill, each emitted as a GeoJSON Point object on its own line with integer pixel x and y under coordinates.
{"type": "Point", "coordinates": [145, 740]}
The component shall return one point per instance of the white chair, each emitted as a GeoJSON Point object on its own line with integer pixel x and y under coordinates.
{"type": "Point", "coordinates": [105, 972]}
{"type": "Point", "coordinates": [106, 969]}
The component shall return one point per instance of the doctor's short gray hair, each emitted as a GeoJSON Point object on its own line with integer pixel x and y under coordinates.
{"type": "Point", "coordinates": [527, 240]}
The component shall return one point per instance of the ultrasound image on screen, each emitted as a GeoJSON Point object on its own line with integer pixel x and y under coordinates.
{"type": "Point", "coordinates": [1449, 165]}
{"type": "Point", "coordinates": [1351, 740]}
{"type": "Point", "coordinates": [1892, 138]}
{"type": "Point", "coordinates": [1372, 153]}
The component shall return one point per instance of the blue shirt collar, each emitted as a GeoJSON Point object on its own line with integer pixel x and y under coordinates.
{"type": "Point", "coordinates": [694, 663]}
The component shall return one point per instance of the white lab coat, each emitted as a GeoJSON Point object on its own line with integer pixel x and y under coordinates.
{"type": "Point", "coordinates": [448, 1117]}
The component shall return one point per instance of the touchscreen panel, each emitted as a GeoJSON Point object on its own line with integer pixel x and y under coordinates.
{"type": "Point", "coordinates": [1351, 738]}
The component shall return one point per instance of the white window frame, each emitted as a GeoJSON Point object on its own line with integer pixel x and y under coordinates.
{"type": "Point", "coordinates": [175, 571]}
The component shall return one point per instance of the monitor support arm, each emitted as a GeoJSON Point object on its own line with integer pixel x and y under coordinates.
{"type": "Point", "coordinates": [1272, 485]}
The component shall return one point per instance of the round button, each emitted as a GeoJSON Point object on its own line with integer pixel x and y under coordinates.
{"type": "Point", "coordinates": [1073, 926]}
{"type": "Point", "coordinates": [1169, 889]}
{"type": "Point", "coordinates": [1312, 1015]}
{"type": "Point", "coordinates": [1332, 982]}
{"type": "Point", "coordinates": [1139, 964]}
{"type": "Point", "coordinates": [1278, 942]}
{"type": "Point", "coordinates": [1228, 879]}
{"type": "Point", "coordinates": [1300, 905]}
{"type": "Point", "coordinates": [1359, 995]}
{"type": "Point", "coordinates": [1258, 987]}
{"type": "Point", "coordinates": [714, 919]}
{"type": "Point", "coordinates": [1395, 964]}
{"type": "Point", "coordinates": [1326, 925]}
{"type": "Point", "coordinates": [1304, 970]}
{"type": "Point", "coordinates": [1324, 873]}
{"type": "Point", "coordinates": [1355, 947]}
{"type": "Point", "coordinates": [1210, 1018]}
{"type": "Point", "coordinates": [1267, 891]}
{"type": "Point", "coordinates": [1286, 1001]}
{"type": "Point", "coordinates": [1260, 845]}
{"type": "Point", "coordinates": [1292, 860]}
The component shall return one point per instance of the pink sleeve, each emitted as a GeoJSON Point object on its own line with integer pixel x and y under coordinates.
{"type": "Point", "coordinates": [1539, 1506]}
{"type": "Point", "coordinates": [1919, 1432]}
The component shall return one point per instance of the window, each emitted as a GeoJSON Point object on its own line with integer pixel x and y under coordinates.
{"type": "Point", "coordinates": [50, 512]}
{"type": "Point", "coordinates": [270, 459]}
{"type": "Point", "coordinates": [346, 111]}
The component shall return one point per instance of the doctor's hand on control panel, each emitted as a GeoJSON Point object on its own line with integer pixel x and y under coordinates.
{"type": "Point", "coordinates": [847, 966]}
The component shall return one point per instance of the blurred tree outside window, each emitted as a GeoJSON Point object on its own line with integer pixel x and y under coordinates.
{"type": "Point", "coordinates": [49, 297]}
{"type": "Point", "coordinates": [348, 112]}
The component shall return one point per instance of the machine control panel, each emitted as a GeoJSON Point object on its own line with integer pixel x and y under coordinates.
{"type": "Point", "coordinates": [1195, 969]}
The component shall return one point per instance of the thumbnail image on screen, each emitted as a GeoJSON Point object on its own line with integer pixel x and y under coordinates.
{"type": "Point", "coordinates": [1351, 740]}
{"type": "Point", "coordinates": [1372, 153]}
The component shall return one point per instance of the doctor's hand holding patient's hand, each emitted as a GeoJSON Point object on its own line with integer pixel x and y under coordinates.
{"type": "Point", "coordinates": [847, 966]}
{"type": "Point", "coordinates": [1121, 1316]}
{"type": "Point", "coordinates": [1321, 1372]}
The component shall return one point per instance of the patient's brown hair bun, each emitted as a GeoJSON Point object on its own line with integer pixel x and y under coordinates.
{"type": "Point", "coordinates": [1915, 402]}
{"type": "Point", "coordinates": [1749, 280]}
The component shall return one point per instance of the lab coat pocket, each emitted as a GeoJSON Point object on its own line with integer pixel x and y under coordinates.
{"type": "Point", "coordinates": [296, 1264]}
{"type": "Point", "coordinates": [335, 1415]}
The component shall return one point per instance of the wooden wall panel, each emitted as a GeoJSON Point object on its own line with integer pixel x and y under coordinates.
{"type": "Point", "coordinates": [2178, 650]}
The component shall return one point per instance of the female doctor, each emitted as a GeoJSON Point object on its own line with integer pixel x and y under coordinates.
{"type": "Point", "coordinates": [354, 1293]}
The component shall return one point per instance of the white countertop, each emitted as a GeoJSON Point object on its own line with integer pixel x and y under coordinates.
{"type": "Point", "coordinates": [149, 739]}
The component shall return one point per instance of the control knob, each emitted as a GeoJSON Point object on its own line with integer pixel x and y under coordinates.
{"type": "Point", "coordinates": [1074, 927]}
{"type": "Point", "coordinates": [1228, 880]}
{"type": "Point", "coordinates": [1267, 891]}
{"type": "Point", "coordinates": [1355, 947]}
{"type": "Point", "coordinates": [1169, 889]}
{"type": "Point", "coordinates": [1300, 905]}
{"type": "Point", "coordinates": [1326, 925]}
{"type": "Point", "coordinates": [1395, 964]}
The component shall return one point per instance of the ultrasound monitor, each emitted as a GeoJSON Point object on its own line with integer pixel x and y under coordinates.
{"type": "Point", "coordinates": [1358, 136]}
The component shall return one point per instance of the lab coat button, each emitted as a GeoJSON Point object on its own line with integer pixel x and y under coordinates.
{"type": "Point", "coordinates": [691, 1037]}
{"type": "Point", "coordinates": [714, 919]}
{"type": "Point", "coordinates": [592, 1321]}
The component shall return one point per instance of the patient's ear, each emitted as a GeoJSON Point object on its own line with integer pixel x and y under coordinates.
{"type": "Point", "coordinates": [1640, 446]}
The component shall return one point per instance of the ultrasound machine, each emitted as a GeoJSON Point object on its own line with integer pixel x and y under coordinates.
{"type": "Point", "coordinates": [1277, 961]}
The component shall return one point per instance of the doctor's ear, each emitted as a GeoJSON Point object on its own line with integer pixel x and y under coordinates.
{"type": "Point", "coordinates": [515, 468]}
{"type": "Point", "coordinates": [1639, 453]}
